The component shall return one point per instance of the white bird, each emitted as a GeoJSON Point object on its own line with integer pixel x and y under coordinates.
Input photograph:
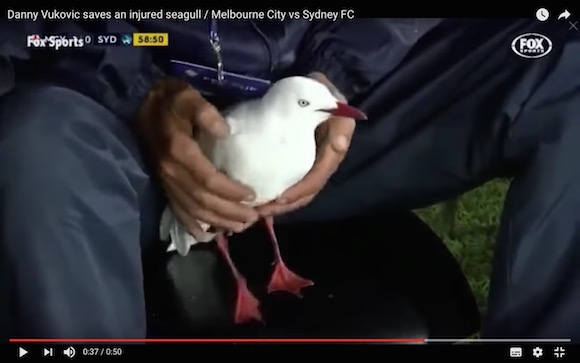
{"type": "Point", "coordinates": [270, 147]}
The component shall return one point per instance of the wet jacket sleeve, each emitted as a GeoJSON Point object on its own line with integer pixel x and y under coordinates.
{"type": "Point", "coordinates": [356, 54]}
{"type": "Point", "coordinates": [116, 77]}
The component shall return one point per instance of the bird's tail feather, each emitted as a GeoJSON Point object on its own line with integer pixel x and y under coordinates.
{"type": "Point", "coordinates": [181, 240]}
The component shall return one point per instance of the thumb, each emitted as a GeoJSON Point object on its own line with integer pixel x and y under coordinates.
{"type": "Point", "coordinates": [340, 130]}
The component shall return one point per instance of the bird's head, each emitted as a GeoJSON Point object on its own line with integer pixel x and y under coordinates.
{"type": "Point", "coordinates": [307, 100]}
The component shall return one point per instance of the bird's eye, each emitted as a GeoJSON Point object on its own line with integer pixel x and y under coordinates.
{"type": "Point", "coordinates": [303, 103]}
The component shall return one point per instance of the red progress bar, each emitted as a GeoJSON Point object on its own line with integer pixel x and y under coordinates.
{"type": "Point", "coordinates": [258, 340]}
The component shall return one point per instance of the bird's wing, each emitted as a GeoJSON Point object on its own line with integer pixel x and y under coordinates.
{"type": "Point", "coordinates": [241, 118]}
{"type": "Point", "coordinates": [208, 143]}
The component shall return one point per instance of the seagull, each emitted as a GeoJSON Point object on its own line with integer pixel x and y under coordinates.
{"type": "Point", "coordinates": [270, 147]}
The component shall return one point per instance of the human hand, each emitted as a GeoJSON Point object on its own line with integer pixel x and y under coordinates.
{"type": "Point", "coordinates": [169, 118]}
{"type": "Point", "coordinates": [332, 142]}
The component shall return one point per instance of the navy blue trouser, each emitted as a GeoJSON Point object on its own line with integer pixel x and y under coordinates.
{"type": "Point", "coordinates": [77, 205]}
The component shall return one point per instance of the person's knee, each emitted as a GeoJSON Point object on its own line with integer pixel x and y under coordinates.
{"type": "Point", "coordinates": [69, 216]}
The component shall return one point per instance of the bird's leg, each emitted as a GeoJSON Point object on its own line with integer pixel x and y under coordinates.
{"type": "Point", "coordinates": [247, 306]}
{"type": "Point", "coordinates": [282, 278]}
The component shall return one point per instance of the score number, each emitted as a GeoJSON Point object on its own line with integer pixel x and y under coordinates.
{"type": "Point", "coordinates": [150, 39]}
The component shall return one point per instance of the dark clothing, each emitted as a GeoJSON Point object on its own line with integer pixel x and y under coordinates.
{"type": "Point", "coordinates": [448, 110]}
{"type": "Point", "coordinates": [73, 200]}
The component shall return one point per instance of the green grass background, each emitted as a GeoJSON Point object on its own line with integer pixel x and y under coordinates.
{"type": "Point", "coordinates": [469, 232]}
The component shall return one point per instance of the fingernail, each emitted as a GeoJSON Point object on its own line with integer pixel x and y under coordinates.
{"type": "Point", "coordinates": [250, 198]}
{"type": "Point", "coordinates": [282, 200]}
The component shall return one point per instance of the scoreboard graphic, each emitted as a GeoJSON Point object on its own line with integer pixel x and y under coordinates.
{"type": "Point", "coordinates": [60, 41]}
{"type": "Point", "coordinates": [134, 39]}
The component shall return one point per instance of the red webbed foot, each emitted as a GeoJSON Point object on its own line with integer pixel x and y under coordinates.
{"type": "Point", "coordinates": [283, 279]}
{"type": "Point", "coordinates": [247, 306]}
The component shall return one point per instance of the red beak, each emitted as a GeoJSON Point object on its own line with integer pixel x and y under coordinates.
{"type": "Point", "coordinates": [344, 110]}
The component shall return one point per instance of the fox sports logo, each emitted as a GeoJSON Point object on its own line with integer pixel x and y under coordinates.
{"type": "Point", "coordinates": [532, 45]}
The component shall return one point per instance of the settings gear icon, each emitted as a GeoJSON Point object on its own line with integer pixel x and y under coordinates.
{"type": "Point", "coordinates": [537, 352]}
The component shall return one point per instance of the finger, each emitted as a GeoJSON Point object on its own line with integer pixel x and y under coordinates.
{"type": "Point", "coordinates": [187, 152]}
{"type": "Point", "coordinates": [178, 177]}
{"type": "Point", "coordinates": [273, 209]}
{"type": "Point", "coordinates": [197, 212]}
{"type": "Point", "coordinates": [277, 208]}
{"type": "Point", "coordinates": [228, 210]}
{"type": "Point", "coordinates": [188, 221]}
{"type": "Point", "coordinates": [173, 172]}
{"type": "Point", "coordinates": [229, 232]}
{"type": "Point", "coordinates": [339, 133]}
{"type": "Point", "coordinates": [191, 105]}
{"type": "Point", "coordinates": [182, 205]}
{"type": "Point", "coordinates": [330, 153]}
{"type": "Point", "coordinates": [325, 165]}
{"type": "Point", "coordinates": [219, 222]}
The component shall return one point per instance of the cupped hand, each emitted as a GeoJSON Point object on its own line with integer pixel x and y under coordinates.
{"type": "Point", "coordinates": [333, 140]}
{"type": "Point", "coordinates": [167, 123]}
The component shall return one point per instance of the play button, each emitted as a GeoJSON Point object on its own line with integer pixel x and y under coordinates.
{"type": "Point", "coordinates": [22, 352]}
